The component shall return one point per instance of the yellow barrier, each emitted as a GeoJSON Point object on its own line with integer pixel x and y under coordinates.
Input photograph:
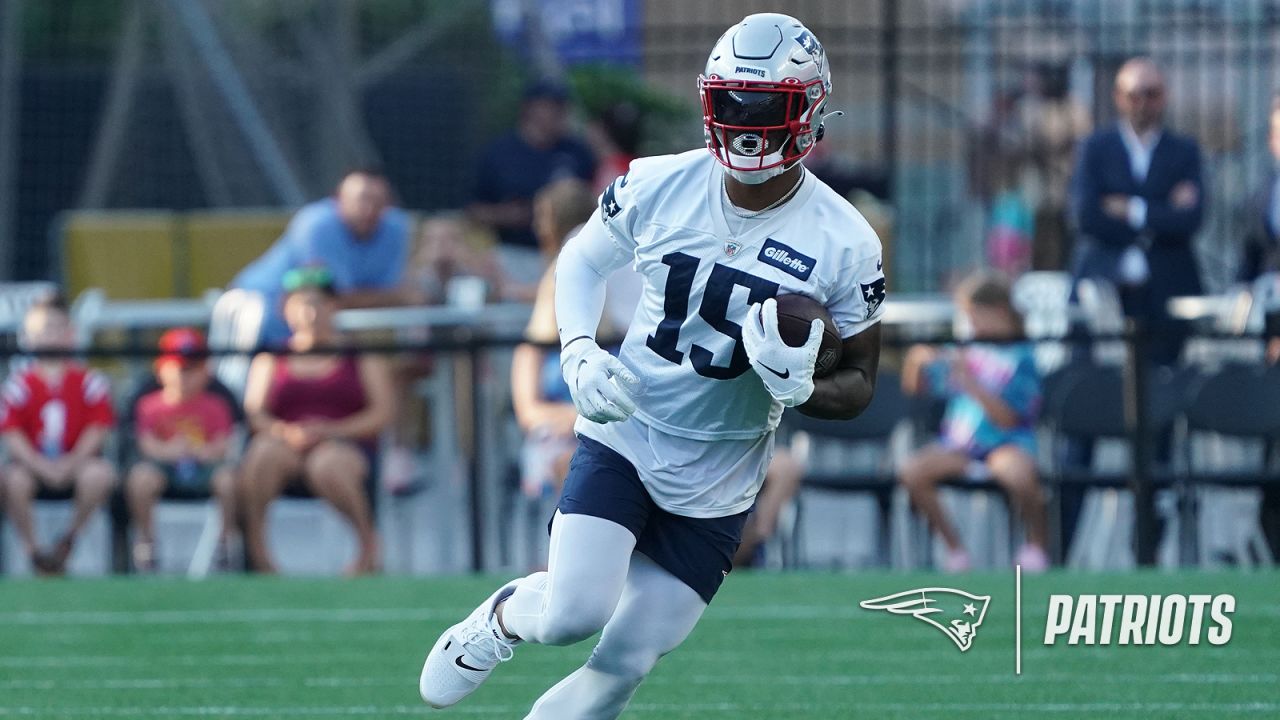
{"type": "Point", "coordinates": [220, 243]}
{"type": "Point", "coordinates": [142, 254]}
{"type": "Point", "coordinates": [129, 254]}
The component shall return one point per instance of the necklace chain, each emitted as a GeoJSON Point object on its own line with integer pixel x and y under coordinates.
{"type": "Point", "coordinates": [756, 213]}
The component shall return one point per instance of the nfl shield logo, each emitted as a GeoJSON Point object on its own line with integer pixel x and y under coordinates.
{"type": "Point", "coordinates": [731, 248]}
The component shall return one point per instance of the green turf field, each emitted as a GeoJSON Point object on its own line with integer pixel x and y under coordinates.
{"type": "Point", "coordinates": [771, 646]}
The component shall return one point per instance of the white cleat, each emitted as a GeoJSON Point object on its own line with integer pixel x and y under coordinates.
{"type": "Point", "coordinates": [465, 655]}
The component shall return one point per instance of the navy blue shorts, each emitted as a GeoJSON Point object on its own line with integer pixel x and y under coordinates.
{"type": "Point", "coordinates": [699, 551]}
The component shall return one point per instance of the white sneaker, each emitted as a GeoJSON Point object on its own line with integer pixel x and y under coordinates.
{"type": "Point", "coordinates": [466, 654]}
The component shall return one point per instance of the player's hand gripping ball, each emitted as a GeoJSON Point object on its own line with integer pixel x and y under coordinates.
{"type": "Point", "coordinates": [601, 386]}
{"type": "Point", "coordinates": [786, 370]}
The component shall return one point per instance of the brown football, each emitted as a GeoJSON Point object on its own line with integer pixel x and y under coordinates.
{"type": "Point", "coordinates": [795, 314]}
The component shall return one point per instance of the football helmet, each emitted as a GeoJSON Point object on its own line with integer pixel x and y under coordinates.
{"type": "Point", "coordinates": [763, 94]}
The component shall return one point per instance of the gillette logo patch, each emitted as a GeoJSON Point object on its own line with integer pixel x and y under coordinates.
{"type": "Point", "coordinates": [786, 259]}
{"type": "Point", "coordinates": [750, 70]}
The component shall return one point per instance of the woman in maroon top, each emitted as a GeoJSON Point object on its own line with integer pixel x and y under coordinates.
{"type": "Point", "coordinates": [316, 419]}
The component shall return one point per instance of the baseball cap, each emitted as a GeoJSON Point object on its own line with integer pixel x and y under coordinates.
{"type": "Point", "coordinates": [185, 346]}
{"type": "Point", "coordinates": [308, 277]}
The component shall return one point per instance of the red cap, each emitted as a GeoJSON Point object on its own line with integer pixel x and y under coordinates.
{"type": "Point", "coordinates": [184, 346]}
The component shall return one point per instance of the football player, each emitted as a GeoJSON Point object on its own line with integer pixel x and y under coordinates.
{"type": "Point", "coordinates": [676, 432]}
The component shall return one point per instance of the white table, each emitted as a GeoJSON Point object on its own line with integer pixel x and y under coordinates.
{"type": "Point", "coordinates": [499, 315]}
{"type": "Point", "coordinates": [1201, 307]}
{"type": "Point", "coordinates": [145, 314]}
{"type": "Point", "coordinates": [919, 309]}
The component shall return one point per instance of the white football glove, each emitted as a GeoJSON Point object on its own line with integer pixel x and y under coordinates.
{"type": "Point", "coordinates": [786, 371]}
{"type": "Point", "coordinates": [600, 384]}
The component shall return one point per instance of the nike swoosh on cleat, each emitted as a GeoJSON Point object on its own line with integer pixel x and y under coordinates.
{"type": "Point", "coordinates": [461, 664]}
{"type": "Point", "coordinates": [784, 375]}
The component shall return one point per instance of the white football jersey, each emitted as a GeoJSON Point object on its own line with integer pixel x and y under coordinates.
{"type": "Point", "coordinates": [703, 266]}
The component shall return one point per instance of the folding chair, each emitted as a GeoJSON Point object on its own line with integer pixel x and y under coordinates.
{"type": "Point", "coordinates": [1044, 299]}
{"type": "Point", "coordinates": [1087, 403]}
{"type": "Point", "coordinates": [1240, 403]}
{"type": "Point", "coordinates": [827, 447]}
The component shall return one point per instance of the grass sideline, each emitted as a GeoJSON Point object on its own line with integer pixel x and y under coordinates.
{"type": "Point", "coordinates": [771, 646]}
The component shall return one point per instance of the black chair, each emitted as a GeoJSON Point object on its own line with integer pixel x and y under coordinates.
{"type": "Point", "coordinates": [1084, 403]}
{"type": "Point", "coordinates": [871, 430]}
{"type": "Point", "coordinates": [1240, 402]}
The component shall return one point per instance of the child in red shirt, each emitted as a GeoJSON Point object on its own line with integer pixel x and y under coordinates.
{"type": "Point", "coordinates": [54, 415]}
{"type": "Point", "coordinates": [183, 432]}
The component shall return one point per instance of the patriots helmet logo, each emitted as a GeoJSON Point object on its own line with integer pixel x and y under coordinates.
{"type": "Point", "coordinates": [955, 612]}
{"type": "Point", "coordinates": [731, 247]}
{"type": "Point", "coordinates": [809, 43]}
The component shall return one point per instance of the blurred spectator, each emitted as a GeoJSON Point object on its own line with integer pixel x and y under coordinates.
{"type": "Point", "coordinates": [444, 255]}
{"type": "Point", "coordinates": [1009, 224]}
{"type": "Point", "coordinates": [182, 426]}
{"type": "Point", "coordinates": [446, 268]}
{"type": "Point", "coordinates": [993, 398]}
{"type": "Point", "coordinates": [316, 418]}
{"type": "Point", "coordinates": [997, 147]}
{"type": "Point", "coordinates": [614, 137]}
{"type": "Point", "coordinates": [1138, 203]}
{"type": "Point", "coordinates": [543, 406]}
{"type": "Point", "coordinates": [356, 234]}
{"type": "Point", "coordinates": [997, 163]}
{"type": "Point", "coordinates": [1055, 122]}
{"type": "Point", "coordinates": [55, 416]}
{"type": "Point", "coordinates": [519, 164]}
{"type": "Point", "coordinates": [1262, 241]}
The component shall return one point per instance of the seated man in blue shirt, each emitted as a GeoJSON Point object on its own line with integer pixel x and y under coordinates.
{"type": "Point", "coordinates": [357, 235]}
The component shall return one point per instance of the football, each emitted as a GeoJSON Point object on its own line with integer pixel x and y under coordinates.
{"type": "Point", "coordinates": [795, 314]}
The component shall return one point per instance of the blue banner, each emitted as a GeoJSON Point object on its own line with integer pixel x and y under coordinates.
{"type": "Point", "coordinates": [581, 31]}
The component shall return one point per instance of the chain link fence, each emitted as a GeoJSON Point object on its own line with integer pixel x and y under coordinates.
{"type": "Point", "coordinates": [239, 103]}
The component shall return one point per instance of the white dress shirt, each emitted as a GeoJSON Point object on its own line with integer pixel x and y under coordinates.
{"type": "Point", "coordinates": [1140, 149]}
{"type": "Point", "coordinates": [1273, 210]}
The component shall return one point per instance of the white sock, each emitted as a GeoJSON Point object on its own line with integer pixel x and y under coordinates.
{"type": "Point", "coordinates": [656, 614]}
{"type": "Point", "coordinates": [586, 572]}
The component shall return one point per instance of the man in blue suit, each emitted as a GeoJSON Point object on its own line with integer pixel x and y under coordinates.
{"type": "Point", "coordinates": [1262, 238]}
{"type": "Point", "coordinates": [1138, 201]}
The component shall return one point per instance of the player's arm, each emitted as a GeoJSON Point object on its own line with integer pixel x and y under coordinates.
{"type": "Point", "coordinates": [599, 383]}
{"type": "Point", "coordinates": [581, 268]}
{"type": "Point", "coordinates": [844, 394]}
